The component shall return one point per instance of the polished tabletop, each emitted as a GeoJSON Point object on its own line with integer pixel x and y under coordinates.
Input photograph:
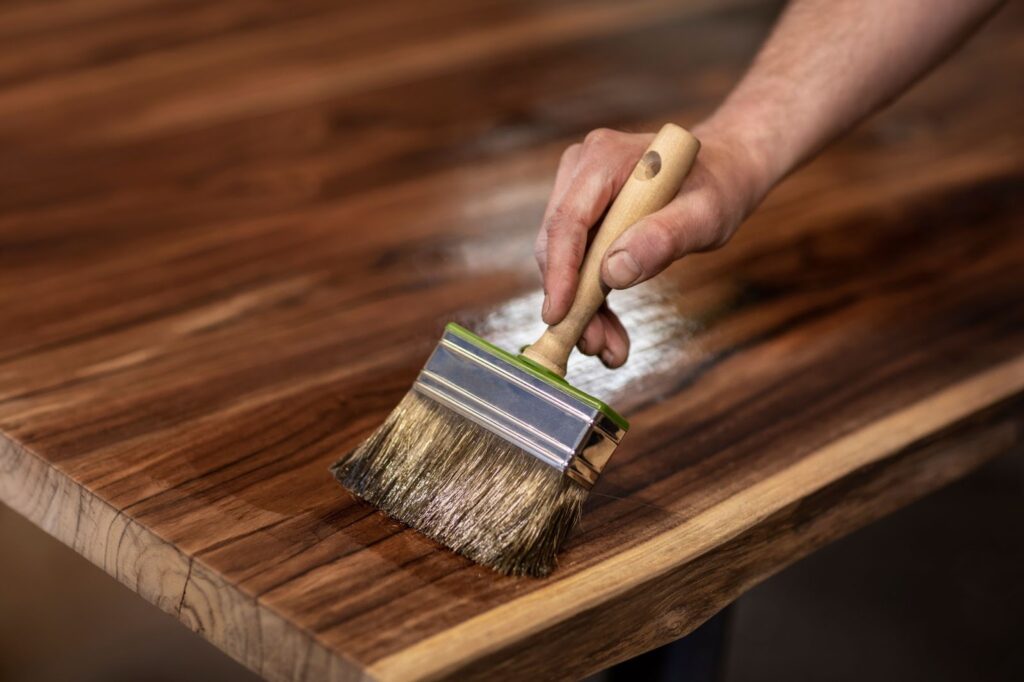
{"type": "Point", "coordinates": [231, 233]}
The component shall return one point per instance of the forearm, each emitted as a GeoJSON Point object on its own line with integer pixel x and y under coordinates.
{"type": "Point", "coordinates": [827, 65]}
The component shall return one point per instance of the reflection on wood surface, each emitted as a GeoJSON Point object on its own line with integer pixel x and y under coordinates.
{"type": "Point", "coordinates": [231, 233]}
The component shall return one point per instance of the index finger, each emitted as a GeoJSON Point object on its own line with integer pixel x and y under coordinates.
{"type": "Point", "coordinates": [606, 159]}
{"type": "Point", "coordinates": [563, 176]}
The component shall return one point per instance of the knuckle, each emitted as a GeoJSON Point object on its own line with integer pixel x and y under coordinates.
{"type": "Point", "coordinates": [566, 222]}
{"type": "Point", "coordinates": [572, 250]}
{"type": "Point", "coordinates": [675, 243]}
{"type": "Point", "coordinates": [663, 239]}
{"type": "Point", "coordinates": [599, 137]}
{"type": "Point", "coordinates": [571, 152]}
{"type": "Point", "coordinates": [597, 183]}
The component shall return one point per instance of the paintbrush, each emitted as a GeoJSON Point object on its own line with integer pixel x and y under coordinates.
{"type": "Point", "coordinates": [493, 454]}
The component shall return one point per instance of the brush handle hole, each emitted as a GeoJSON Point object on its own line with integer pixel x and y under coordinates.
{"type": "Point", "coordinates": [648, 167]}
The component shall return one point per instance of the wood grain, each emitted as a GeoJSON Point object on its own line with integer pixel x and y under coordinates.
{"type": "Point", "coordinates": [231, 233]}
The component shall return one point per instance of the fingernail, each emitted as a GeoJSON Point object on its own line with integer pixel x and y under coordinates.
{"type": "Point", "coordinates": [623, 269]}
{"type": "Point", "coordinates": [606, 357]}
{"type": "Point", "coordinates": [546, 306]}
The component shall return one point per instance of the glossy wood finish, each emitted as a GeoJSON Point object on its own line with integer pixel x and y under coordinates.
{"type": "Point", "coordinates": [231, 232]}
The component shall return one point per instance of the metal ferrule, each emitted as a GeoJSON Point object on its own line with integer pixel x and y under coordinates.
{"type": "Point", "coordinates": [552, 425]}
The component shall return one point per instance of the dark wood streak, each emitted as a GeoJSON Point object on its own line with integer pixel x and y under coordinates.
{"type": "Point", "coordinates": [214, 280]}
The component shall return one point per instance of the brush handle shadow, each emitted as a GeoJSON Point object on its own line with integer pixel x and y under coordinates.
{"type": "Point", "coordinates": [655, 180]}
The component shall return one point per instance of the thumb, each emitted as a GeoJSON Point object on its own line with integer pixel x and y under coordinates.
{"type": "Point", "coordinates": [687, 224]}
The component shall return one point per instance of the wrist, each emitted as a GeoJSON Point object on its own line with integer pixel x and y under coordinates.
{"type": "Point", "coordinates": [751, 122]}
{"type": "Point", "coordinates": [744, 170]}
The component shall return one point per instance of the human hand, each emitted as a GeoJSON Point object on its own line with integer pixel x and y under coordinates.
{"type": "Point", "coordinates": [721, 189]}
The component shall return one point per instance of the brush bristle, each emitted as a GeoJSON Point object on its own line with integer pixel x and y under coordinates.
{"type": "Point", "coordinates": [465, 487]}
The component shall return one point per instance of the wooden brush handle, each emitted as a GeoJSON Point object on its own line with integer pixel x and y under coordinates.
{"type": "Point", "coordinates": [654, 182]}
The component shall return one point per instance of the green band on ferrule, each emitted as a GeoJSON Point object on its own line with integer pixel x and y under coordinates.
{"type": "Point", "coordinates": [541, 373]}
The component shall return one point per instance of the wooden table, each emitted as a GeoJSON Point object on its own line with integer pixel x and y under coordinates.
{"type": "Point", "coordinates": [231, 232]}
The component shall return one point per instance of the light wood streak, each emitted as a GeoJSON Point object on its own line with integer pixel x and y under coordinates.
{"type": "Point", "coordinates": [542, 609]}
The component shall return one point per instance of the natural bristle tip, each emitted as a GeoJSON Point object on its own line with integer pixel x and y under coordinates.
{"type": "Point", "coordinates": [465, 487]}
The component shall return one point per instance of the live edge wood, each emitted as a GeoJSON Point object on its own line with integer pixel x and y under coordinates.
{"type": "Point", "coordinates": [230, 233]}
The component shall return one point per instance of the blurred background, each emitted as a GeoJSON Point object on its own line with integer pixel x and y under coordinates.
{"type": "Point", "coordinates": [933, 592]}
